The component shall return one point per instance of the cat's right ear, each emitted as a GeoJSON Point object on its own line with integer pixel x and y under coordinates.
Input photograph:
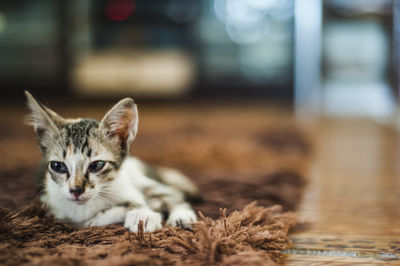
{"type": "Point", "coordinates": [121, 122]}
{"type": "Point", "coordinates": [44, 121]}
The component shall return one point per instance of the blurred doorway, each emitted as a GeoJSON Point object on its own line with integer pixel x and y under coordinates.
{"type": "Point", "coordinates": [352, 68]}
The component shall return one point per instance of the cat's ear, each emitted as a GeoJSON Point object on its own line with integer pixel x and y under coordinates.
{"type": "Point", "coordinates": [55, 118]}
{"type": "Point", "coordinates": [43, 120]}
{"type": "Point", "coordinates": [122, 122]}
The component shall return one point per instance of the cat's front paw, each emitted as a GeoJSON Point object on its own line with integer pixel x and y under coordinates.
{"type": "Point", "coordinates": [151, 220]}
{"type": "Point", "coordinates": [182, 217]}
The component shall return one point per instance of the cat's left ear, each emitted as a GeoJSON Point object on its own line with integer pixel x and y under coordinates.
{"type": "Point", "coordinates": [122, 122]}
{"type": "Point", "coordinates": [42, 118]}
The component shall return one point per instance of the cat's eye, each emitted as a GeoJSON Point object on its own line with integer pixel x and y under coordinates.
{"type": "Point", "coordinates": [96, 166]}
{"type": "Point", "coordinates": [58, 167]}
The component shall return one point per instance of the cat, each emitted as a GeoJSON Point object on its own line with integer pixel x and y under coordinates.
{"type": "Point", "coordinates": [89, 179]}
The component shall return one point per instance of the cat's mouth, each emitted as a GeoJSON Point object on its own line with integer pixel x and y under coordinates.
{"type": "Point", "coordinates": [79, 201]}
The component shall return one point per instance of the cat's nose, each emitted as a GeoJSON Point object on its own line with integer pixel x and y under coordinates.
{"type": "Point", "coordinates": [77, 191]}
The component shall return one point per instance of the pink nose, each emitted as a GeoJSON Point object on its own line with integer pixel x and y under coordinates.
{"type": "Point", "coordinates": [76, 191]}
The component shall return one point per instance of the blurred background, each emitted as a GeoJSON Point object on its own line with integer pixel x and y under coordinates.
{"type": "Point", "coordinates": [334, 57]}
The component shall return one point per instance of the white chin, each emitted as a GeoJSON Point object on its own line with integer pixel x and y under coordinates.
{"type": "Point", "coordinates": [79, 202]}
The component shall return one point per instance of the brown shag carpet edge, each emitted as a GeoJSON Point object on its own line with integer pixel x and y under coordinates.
{"type": "Point", "coordinates": [252, 236]}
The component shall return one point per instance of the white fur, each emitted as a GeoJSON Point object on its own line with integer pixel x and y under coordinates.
{"type": "Point", "coordinates": [151, 220]}
{"type": "Point", "coordinates": [98, 210]}
{"type": "Point", "coordinates": [178, 180]}
{"type": "Point", "coordinates": [110, 216]}
{"type": "Point", "coordinates": [181, 215]}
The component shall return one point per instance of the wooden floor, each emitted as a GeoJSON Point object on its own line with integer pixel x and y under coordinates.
{"type": "Point", "coordinates": [353, 197]}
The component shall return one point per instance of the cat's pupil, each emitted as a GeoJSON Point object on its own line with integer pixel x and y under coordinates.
{"type": "Point", "coordinates": [96, 166]}
{"type": "Point", "coordinates": [59, 167]}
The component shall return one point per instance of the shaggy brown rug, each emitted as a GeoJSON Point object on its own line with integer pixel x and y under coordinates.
{"type": "Point", "coordinates": [235, 157]}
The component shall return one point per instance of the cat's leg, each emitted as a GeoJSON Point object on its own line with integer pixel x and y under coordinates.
{"type": "Point", "coordinates": [162, 197]}
{"type": "Point", "coordinates": [128, 215]}
{"type": "Point", "coordinates": [151, 219]}
{"type": "Point", "coordinates": [182, 215]}
{"type": "Point", "coordinates": [137, 208]}
{"type": "Point", "coordinates": [112, 215]}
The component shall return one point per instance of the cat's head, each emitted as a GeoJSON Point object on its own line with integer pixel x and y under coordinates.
{"type": "Point", "coordinates": [83, 155]}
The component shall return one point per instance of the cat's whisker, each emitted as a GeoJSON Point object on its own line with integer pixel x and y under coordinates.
{"type": "Point", "coordinates": [111, 195]}
{"type": "Point", "coordinates": [109, 192]}
{"type": "Point", "coordinates": [106, 200]}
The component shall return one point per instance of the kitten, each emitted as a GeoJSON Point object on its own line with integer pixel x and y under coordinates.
{"type": "Point", "coordinates": [89, 179]}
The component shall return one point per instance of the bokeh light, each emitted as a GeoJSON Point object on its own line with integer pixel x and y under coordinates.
{"type": "Point", "coordinates": [248, 21]}
{"type": "Point", "coordinates": [119, 10]}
